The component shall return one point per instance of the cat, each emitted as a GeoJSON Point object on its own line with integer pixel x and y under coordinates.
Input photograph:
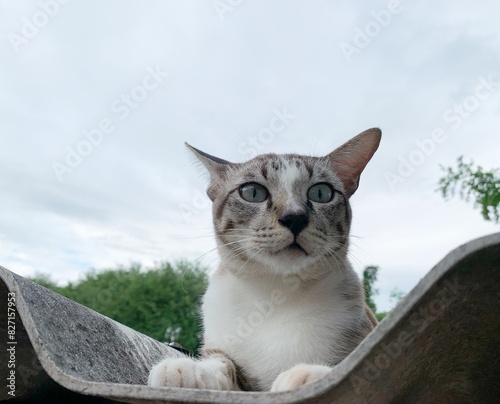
{"type": "Point", "coordinates": [284, 306]}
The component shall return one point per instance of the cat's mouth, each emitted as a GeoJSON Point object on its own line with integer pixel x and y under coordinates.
{"type": "Point", "coordinates": [295, 247]}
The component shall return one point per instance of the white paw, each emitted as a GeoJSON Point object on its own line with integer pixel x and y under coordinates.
{"type": "Point", "coordinates": [298, 376]}
{"type": "Point", "coordinates": [186, 372]}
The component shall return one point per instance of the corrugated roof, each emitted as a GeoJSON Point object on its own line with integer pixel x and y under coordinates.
{"type": "Point", "coordinates": [440, 344]}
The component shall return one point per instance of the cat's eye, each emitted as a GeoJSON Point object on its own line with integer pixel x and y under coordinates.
{"type": "Point", "coordinates": [321, 193]}
{"type": "Point", "coordinates": [253, 192]}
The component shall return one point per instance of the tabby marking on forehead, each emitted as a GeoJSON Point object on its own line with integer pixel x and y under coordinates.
{"type": "Point", "coordinates": [263, 171]}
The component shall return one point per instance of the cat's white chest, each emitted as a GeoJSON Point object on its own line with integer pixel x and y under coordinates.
{"type": "Point", "coordinates": [270, 328]}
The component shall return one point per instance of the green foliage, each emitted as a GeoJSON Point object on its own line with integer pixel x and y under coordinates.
{"type": "Point", "coordinates": [370, 275]}
{"type": "Point", "coordinates": [396, 295]}
{"type": "Point", "coordinates": [473, 182]}
{"type": "Point", "coordinates": [369, 279]}
{"type": "Point", "coordinates": [45, 280]}
{"type": "Point", "coordinates": [161, 302]}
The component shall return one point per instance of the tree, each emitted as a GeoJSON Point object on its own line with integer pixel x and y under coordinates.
{"type": "Point", "coordinates": [370, 275]}
{"type": "Point", "coordinates": [45, 280]}
{"type": "Point", "coordinates": [162, 302]}
{"type": "Point", "coordinates": [473, 182]}
{"type": "Point", "coordinates": [396, 295]}
{"type": "Point", "coordinates": [369, 279]}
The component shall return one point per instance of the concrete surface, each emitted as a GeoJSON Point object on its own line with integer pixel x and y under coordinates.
{"type": "Point", "coordinates": [440, 345]}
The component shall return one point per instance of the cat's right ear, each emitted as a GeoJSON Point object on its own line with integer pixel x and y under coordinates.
{"type": "Point", "coordinates": [216, 167]}
{"type": "Point", "coordinates": [350, 159]}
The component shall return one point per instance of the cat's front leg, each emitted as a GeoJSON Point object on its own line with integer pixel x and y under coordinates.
{"type": "Point", "coordinates": [298, 376]}
{"type": "Point", "coordinates": [214, 372]}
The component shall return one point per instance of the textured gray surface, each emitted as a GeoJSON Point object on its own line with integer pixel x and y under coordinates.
{"type": "Point", "coordinates": [441, 344]}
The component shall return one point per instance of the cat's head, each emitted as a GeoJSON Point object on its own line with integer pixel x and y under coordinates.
{"type": "Point", "coordinates": [285, 213]}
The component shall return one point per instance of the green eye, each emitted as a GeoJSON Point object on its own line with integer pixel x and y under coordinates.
{"type": "Point", "coordinates": [253, 192]}
{"type": "Point", "coordinates": [321, 193]}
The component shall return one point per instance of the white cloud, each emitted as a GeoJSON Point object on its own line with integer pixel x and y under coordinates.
{"type": "Point", "coordinates": [126, 200]}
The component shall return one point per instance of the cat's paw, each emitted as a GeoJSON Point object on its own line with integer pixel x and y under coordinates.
{"type": "Point", "coordinates": [298, 376]}
{"type": "Point", "coordinates": [186, 372]}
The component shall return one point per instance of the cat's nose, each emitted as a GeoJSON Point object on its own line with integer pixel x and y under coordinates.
{"type": "Point", "coordinates": [295, 222]}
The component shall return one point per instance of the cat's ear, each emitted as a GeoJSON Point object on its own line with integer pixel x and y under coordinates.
{"type": "Point", "coordinates": [350, 159]}
{"type": "Point", "coordinates": [216, 167]}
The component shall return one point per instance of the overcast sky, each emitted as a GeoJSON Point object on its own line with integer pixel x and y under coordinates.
{"type": "Point", "coordinates": [97, 99]}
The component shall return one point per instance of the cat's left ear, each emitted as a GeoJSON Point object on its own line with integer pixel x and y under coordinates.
{"type": "Point", "coordinates": [349, 160]}
{"type": "Point", "coordinates": [216, 167]}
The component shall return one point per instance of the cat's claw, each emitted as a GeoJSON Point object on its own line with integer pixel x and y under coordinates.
{"type": "Point", "coordinates": [188, 373]}
{"type": "Point", "coordinates": [298, 376]}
